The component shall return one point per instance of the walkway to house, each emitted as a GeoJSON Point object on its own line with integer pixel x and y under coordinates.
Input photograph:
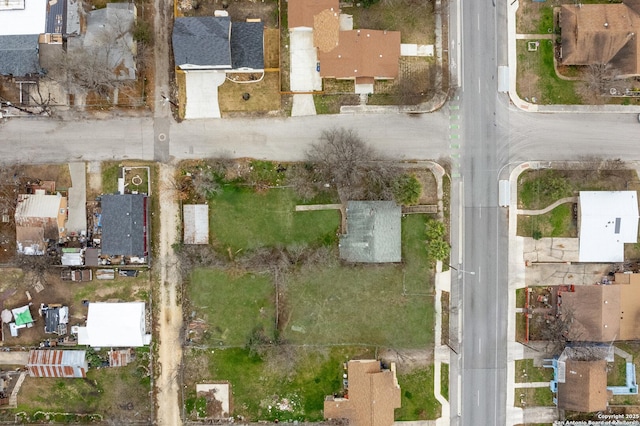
{"type": "Point", "coordinates": [549, 207]}
{"type": "Point", "coordinates": [535, 36]}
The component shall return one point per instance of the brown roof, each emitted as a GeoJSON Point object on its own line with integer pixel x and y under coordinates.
{"type": "Point", "coordinates": [585, 386]}
{"type": "Point", "coordinates": [362, 53]}
{"type": "Point", "coordinates": [595, 312]}
{"type": "Point", "coordinates": [601, 34]}
{"type": "Point", "coordinates": [374, 394]}
{"type": "Point", "coordinates": [629, 306]}
{"type": "Point", "coordinates": [301, 12]}
{"type": "Point", "coordinates": [326, 29]}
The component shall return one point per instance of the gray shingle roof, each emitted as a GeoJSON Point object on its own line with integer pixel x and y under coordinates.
{"type": "Point", "coordinates": [202, 41]}
{"type": "Point", "coordinates": [373, 232]}
{"type": "Point", "coordinates": [123, 225]}
{"type": "Point", "coordinates": [19, 55]}
{"type": "Point", "coordinates": [56, 17]}
{"type": "Point", "coordinates": [247, 45]}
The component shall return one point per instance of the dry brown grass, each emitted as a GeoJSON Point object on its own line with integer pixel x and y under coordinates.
{"type": "Point", "coordinates": [271, 48]}
{"type": "Point", "coordinates": [264, 95]}
{"type": "Point", "coordinates": [181, 80]}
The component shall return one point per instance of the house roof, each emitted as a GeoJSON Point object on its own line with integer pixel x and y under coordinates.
{"type": "Point", "coordinates": [203, 41]}
{"type": "Point", "coordinates": [19, 54]}
{"type": "Point", "coordinates": [362, 53]}
{"type": "Point", "coordinates": [114, 325]}
{"type": "Point", "coordinates": [37, 206]}
{"type": "Point", "coordinates": [22, 315]}
{"type": "Point", "coordinates": [54, 317]}
{"type": "Point", "coordinates": [57, 363]}
{"type": "Point", "coordinates": [301, 12]}
{"type": "Point", "coordinates": [373, 232]}
{"type": "Point", "coordinates": [585, 386]}
{"type": "Point", "coordinates": [374, 394]}
{"type": "Point", "coordinates": [247, 45]}
{"type": "Point", "coordinates": [22, 19]}
{"type": "Point", "coordinates": [594, 311]}
{"type": "Point", "coordinates": [601, 34]}
{"type": "Point", "coordinates": [629, 305]}
{"type": "Point", "coordinates": [196, 223]}
{"type": "Point", "coordinates": [56, 21]}
{"type": "Point", "coordinates": [608, 219]}
{"type": "Point", "coordinates": [124, 221]}
{"type": "Point", "coordinates": [326, 30]}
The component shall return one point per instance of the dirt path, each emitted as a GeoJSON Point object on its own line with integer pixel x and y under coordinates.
{"type": "Point", "coordinates": [170, 310]}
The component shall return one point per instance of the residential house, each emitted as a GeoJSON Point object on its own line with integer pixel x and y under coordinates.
{"type": "Point", "coordinates": [373, 232]}
{"type": "Point", "coordinates": [607, 220]}
{"type": "Point", "coordinates": [206, 48]}
{"type": "Point", "coordinates": [373, 395]}
{"type": "Point", "coordinates": [39, 218]}
{"type": "Point", "coordinates": [601, 34]}
{"type": "Point", "coordinates": [324, 41]}
{"type": "Point", "coordinates": [57, 363]}
{"type": "Point", "coordinates": [196, 223]}
{"type": "Point", "coordinates": [56, 318]}
{"type": "Point", "coordinates": [115, 325]}
{"type": "Point", "coordinates": [603, 313]}
{"type": "Point", "coordinates": [125, 225]}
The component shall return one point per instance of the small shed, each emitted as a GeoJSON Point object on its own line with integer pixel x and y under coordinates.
{"type": "Point", "coordinates": [56, 318]}
{"type": "Point", "coordinates": [57, 363]}
{"type": "Point", "coordinates": [196, 223]}
{"type": "Point", "coordinates": [115, 325]}
{"type": "Point", "coordinates": [373, 232]}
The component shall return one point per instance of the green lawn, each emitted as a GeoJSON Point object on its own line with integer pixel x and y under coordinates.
{"type": "Point", "coordinates": [557, 223]}
{"type": "Point", "coordinates": [110, 174]}
{"type": "Point", "coordinates": [521, 297]}
{"type": "Point", "coordinates": [444, 380]}
{"type": "Point", "coordinates": [418, 274]}
{"type": "Point", "coordinates": [526, 372]}
{"type": "Point", "coordinates": [418, 401]}
{"type": "Point", "coordinates": [540, 188]}
{"type": "Point", "coordinates": [301, 376]}
{"type": "Point", "coordinates": [356, 305]}
{"type": "Point", "coordinates": [242, 219]}
{"type": "Point", "coordinates": [533, 397]}
{"type": "Point", "coordinates": [232, 305]}
{"type": "Point", "coordinates": [618, 373]}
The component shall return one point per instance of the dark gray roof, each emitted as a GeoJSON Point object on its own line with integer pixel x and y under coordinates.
{"type": "Point", "coordinates": [19, 55]}
{"type": "Point", "coordinates": [124, 225]}
{"type": "Point", "coordinates": [56, 17]}
{"type": "Point", "coordinates": [373, 232]}
{"type": "Point", "coordinates": [202, 41]}
{"type": "Point", "coordinates": [247, 45]}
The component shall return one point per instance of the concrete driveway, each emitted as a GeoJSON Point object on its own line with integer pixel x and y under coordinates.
{"type": "Point", "coordinates": [202, 94]}
{"type": "Point", "coordinates": [304, 76]}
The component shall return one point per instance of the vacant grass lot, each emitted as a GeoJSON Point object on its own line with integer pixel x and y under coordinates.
{"type": "Point", "coordinates": [413, 18]}
{"type": "Point", "coordinates": [533, 397]}
{"type": "Point", "coordinates": [120, 394]}
{"type": "Point", "coordinates": [241, 219]}
{"type": "Point", "coordinates": [557, 223]}
{"type": "Point", "coordinates": [418, 401]}
{"type": "Point", "coordinates": [537, 76]}
{"type": "Point", "coordinates": [233, 305]}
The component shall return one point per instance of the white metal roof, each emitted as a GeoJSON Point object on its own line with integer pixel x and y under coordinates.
{"type": "Point", "coordinates": [608, 220]}
{"type": "Point", "coordinates": [114, 325]}
{"type": "Point", "coordinates": [196, 224]}
{"type": "Point", "coordinates": [30, 20]}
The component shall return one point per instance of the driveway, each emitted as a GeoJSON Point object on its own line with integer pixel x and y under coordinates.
{"type": "Point", "coordinates": [304, 76]}
{"type": "Point", "coordinates": [77, 219]}
{"type": "Point", "coordinates": [202, 94]}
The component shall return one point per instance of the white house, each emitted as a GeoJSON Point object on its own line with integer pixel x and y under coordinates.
{"type": "Point", "coordinates": [115, 325]}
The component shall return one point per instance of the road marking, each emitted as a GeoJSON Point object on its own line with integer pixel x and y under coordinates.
{"type": "Point", "coordinates": [479, 274]}
{"type": "Point", "coordinates": [478, 397]}
{"type": "Point", "coordinates": [454, 136]}
{"type": "Point", "coordinates": [478, 22]}
{"type": "Point", "coordinates": [478, 85]}
{"type": "Point", "coordinates": [454, 117]}
{"type": "Point", "coordinates": [479, 345]}
{"type": "Point", "coordinates": [454, 107]}
{"type": "Point", "coordinates": [454, 126]}
{"type": "Point", "coordinates": [454, 146]}
{"type": "Point", "coordinates": [480, 210]}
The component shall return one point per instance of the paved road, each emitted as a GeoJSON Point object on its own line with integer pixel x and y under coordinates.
{"type": "Point", "coordinates": [483, 289]}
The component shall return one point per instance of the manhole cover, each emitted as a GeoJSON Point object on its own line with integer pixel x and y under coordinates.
{"type": "Point", "coordinates": [162, 137]}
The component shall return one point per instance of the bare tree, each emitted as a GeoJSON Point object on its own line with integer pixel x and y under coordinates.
{"type": "Point", "coordinates": [594, 81]}
{"type": "Point", "coordinates": [343, 159]}
{"type": "Point", "coordinates": [35, 267]}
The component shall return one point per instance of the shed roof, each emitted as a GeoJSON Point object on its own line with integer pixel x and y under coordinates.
{"type": "Point", "coordinates": [19, 55]}
{"type": "Point", "coordinates": [373, 232]}
{"type": "Point", "coordinates": [585, 386]}
{"type": "Point", "coordinates": [608, 219]}
{"type": "Point", "coordinates": [57, 363]}
{"type": "Point", "coordinates": [594, 311]}
{"type": "Point", "coordinates": [115, 325]}
{"type": "Point", "coordinates": [196, 223]}
{"type": "Point", "coordinates": [37, 206]}
{"type": "Point", "coordinates": [124, 222]}
{"type": "Point", "coordinates": [22, 315]}
{"type": "Point", "coordinates": [362, 53]}
{"type": "Point", "coordinates": [54, 316]}
{"type": "Point", "coordinates": [374, 394]}
{"type": "Point", "coordinates": [202, 41]}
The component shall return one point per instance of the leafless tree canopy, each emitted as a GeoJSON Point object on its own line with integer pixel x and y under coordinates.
{"type": "Point", "coordinates": [595, 79]}
{"type": "Point", "coordinates": [95, 67]}
{"type": "Point", "coordinates": [344, 160]}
